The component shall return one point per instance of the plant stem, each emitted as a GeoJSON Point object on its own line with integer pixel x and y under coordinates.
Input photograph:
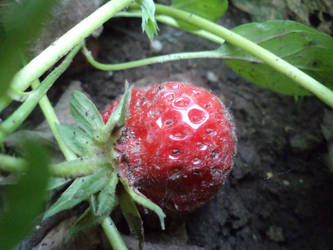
{"type": "Point", "coordinates": [304, 80]}
{"type": "Point", "coordinates": [47, 58]}
{"type": "Point", "coordinates": [113, 234]}
{"type": "Point", "coordinates": [150, 60]}
{"type": "Point", "coordinates": [172, 22]}
{"type": "Point", "coordinates": [17, 118]}
{"type": "Point", "coordinates": [53, 120]}
{"type": "Point", "coordinates": [12, 164]}
{"type": "Point", "coordinates": [69, 169]}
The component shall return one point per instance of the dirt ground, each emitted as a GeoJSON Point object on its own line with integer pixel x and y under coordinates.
{"type": "Point", "coordinates": [279, 195]}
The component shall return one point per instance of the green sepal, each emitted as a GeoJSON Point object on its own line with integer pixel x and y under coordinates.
{"type": "Point", "coordinates": [86, 114]}
{"type": "Point", "coordinates": [118, 117]}
{"type": "Point", "coordinates": [56, 182]}
{"type": "Point", "coordinates": [132, 215]}
{"type": "Point", "coordinates": [77, 140]}
{"type": "Point", "coordinates": [79, 190]}
{"type": "Point", "coordinates": [107, 199]}
{"type": "Point", "coordinates": [144, 201]}
{"type": "Point", "coordinates": [86, 221]}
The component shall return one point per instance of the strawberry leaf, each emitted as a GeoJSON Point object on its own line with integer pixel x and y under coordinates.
{"type": "Point", "coordinates": [149, 24]}
{"type": "Point", "coordinates": [86, 114]}
{"type": "Point", "coordinates": [107, 199]}
{"type": "Point", "coordinates": [78, 191]}
{"type": "Point", "coordinates": [145, 202]}
{"type": "Point", "coordinates": [304, 47]}
{"type": "Point", "coordinates": [132, 215]}
{"type": "Point", "coordinates": [77, 140]}
{"type": "Point", "coordinates": [209, 9]}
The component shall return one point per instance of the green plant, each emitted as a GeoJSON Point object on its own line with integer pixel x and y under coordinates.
{"type": "Point", "coordinates": [253, 50]}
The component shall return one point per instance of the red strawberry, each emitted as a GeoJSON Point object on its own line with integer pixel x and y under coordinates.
{"type": "Point", "coordinates": [178, 144]}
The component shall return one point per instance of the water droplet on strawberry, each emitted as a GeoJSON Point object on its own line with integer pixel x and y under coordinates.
{"type": "Point", "coordinates": [196, 161]}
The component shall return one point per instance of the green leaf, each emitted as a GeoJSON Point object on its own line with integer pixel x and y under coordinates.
{"type": "Point", "coordinates": [149, 24]}
{"type": "Point", "coordinates": [132, 215]}
{"type": "Point", "coordinates": [107, 199]}
{"type": "Point", "coordinates": [77, 140]}
{"type": "Point", "coordinates": [19, 24]}
{"type": "Point", "coordinates": [145, 202]}
{"type": "Point", "coordinates": [209, 9]}
{"type": "Point", "coordinates": [86, 114]}
{"type": "Point", "coordinates": [24, 201]}
{"type": "Point", "coordinates": [78, 191]}
{"type": "Point", "coordinates": [304, 47]}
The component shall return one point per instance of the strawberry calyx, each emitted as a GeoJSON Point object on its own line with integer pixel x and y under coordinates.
{"type": "Point", "coordinates": [91, 141]}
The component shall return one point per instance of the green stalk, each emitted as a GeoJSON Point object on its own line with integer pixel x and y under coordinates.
{"type": "Point", "coordinates": [113, 234]}
{"type": "Point", "coordinates": [72, 169]}
{"type": "Point", "coordinates": [172, 22]}
{"type": "Point", "coordinates": [47, 58]}
{"type": "Point", "coordinates": [304, 80]}
{"type": "Point", "coordinates": [17, 118]}
{"type": "Point", "coordinates": [53, 120]}
{"type": "Point", "coordinates": [12, 164]}
{"type": "Point", "coordinates": [152, 60]}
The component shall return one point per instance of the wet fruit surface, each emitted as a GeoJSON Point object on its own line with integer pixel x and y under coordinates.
{"type": "Point", "coordinates": [178, 145]}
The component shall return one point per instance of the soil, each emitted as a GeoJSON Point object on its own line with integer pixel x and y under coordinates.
{"type": "Point", "coordinates": [279, 195]}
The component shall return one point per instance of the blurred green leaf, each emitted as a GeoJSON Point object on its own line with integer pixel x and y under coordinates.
{"type": "Point", "coordinates": [20, 22]}
{"type": "Point", "coordinates": [85, 113]}
{"type": "Point", "coordinates": [309, 50]}
{"type": "Point", "coordinates": [79, 191]}
{"type": "Point", "coordinates": [24, 201]}
{"type": "Point", "coordinates": [209, 9]}
{"type": "Point", "coordinates": [132, 215]}
{"type": "Point", "coordinates": [149, 24]}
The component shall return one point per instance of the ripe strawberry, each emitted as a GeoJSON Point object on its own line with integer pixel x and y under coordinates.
{"type": "Point", "coordinates": [177, 146]}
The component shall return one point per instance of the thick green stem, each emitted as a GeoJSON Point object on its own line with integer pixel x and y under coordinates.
{"type": "Point", "coordinates": [152, 60]}
{"type": "Point", "coordinates": [304, 80]}
{"type": "Point", "coordinates": [113, 234]}
{"type": "Point", "coordinates": [172, 22]}
{"type": "Point", "coordinates": [46, 59]}
{"type": "Point", "coordinates": [71, 169]}
{"type": "Point", "coordinates": [53, 120]}
{"type": "Point", "coordinates": [17, 118]}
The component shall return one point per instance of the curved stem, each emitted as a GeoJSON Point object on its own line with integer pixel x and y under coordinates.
{"type": "Point", "coordinates": [151, 60]}
{"type": "Point", "coordinates": [18, 117]}
{"type": "Point", "coordinates": [304, 80]}
{"type": "Point", "coordinates": [113, 234]}
{"type": "Point", "coordinates": [40, 64]}
{"type": "Point", "coordinates": [172, 22]}
{"type": "Point", "coordinates": [53, 120]}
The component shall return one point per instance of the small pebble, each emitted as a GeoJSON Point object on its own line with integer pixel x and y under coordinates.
{"type": "Point", "coordinates": [156, 46]}
{"type": "Point", "coordinates": [211, 76]}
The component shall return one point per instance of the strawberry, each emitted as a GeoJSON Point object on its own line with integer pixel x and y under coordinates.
{"type": "Point", "coordinates": [177, 145]}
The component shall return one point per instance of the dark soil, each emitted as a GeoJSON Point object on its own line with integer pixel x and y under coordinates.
{"type": "Point", "coordinates": [279, 195]}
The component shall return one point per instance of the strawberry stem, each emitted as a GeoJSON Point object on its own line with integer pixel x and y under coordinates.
{"type": "Point", "coordinates": [304, 80]}
{"type": "Point", "coordinates": [113, 234]}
